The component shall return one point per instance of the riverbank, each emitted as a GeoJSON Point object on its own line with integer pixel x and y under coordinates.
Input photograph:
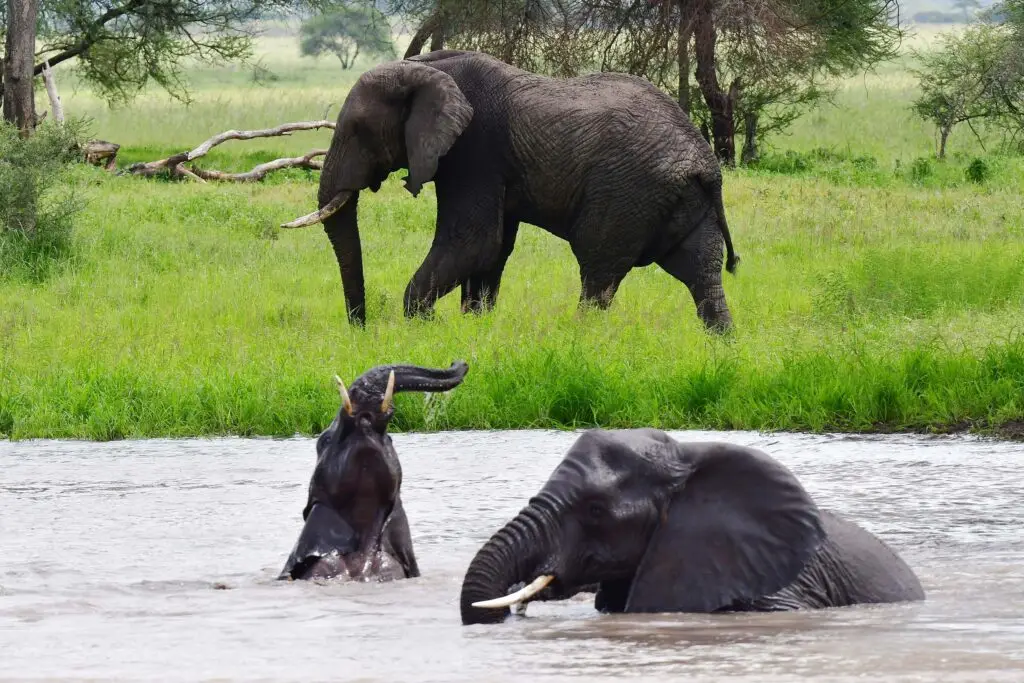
{"type": "Point", "coordinates": [879, 291]}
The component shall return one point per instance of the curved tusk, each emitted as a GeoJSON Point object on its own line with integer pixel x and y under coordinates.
{"type": "Point", "coordinates": [345, 400]}
{"type": "Point", "coordinates": [525, 593]}
{"type": "Point", "coordinates": [389, 393]}
{"type": "Point", "coordinates": [330, 208]}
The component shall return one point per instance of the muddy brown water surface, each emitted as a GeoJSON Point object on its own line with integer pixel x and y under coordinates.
{"type": "Point", "coordinates": [109, 554]}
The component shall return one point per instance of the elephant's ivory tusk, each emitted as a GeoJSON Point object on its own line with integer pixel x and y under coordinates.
{"type": "Point", "coordinates": [345, 400]}
{"type": "Point", "coordinates": [330, 208]}
{"type": "Point", "coordinates": [525, 593]}
{"type": "Point", "coordinates": [389, 393]}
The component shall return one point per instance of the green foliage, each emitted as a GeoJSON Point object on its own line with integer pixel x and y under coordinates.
{"type": "Point", "coordinates": [38, 206]}
{"type": "Point", "coordinates": [978, 171]}
{"type": "Point", "coordinates": [974, 76]}
{"type": "Point", "coordinates": [122, 45]}
{"type": "Point", "coordinates": [347, 31]}
{"type": "Point", "coordinates": [920, 169]}
{"type": "Point", "coordinates": [778, 54]}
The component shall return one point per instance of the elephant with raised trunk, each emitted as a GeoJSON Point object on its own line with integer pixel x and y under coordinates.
{"type": "Point", "coordinates": [662, 526]}
{"type": "Point", "coordinates": [354, 523]}
{"type": "Point", "coordinates": [607, 162]}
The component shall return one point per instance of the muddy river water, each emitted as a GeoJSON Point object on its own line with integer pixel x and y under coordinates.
{"type": "Point", "coordinates": [109, 554]}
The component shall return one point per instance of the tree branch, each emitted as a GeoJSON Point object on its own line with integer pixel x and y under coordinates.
{"type": "Point", "coordinates": [174, 164]}
{"type": "Point", "coordinates": [283, 129]}
{"type": "Point", "coordinates": [260, 172]}
{"type": "Point", "coordinates": [90, 37]}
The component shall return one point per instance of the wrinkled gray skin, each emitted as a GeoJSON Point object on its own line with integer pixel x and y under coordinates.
{"type": "Point", "coordinates": [655, 525]}
{"type": "Point", "coordinates": [354, 523]}
{"type": "Point", "coordinates": [607, 162]}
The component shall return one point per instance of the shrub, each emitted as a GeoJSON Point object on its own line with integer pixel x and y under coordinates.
{"type": "Point", "coordinates": [978, 171]}
{"type": "Point", "coordinates": [37, 205]}
{"type": "Point", "coordinates": [920, 169]}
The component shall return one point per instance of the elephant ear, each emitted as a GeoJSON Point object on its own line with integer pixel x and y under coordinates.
{"type": "Point", "coordinates": [740, 527]}
{"type": "Point", "coordinates": [438, 114]}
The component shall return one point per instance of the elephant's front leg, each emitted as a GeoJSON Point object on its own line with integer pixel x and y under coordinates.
{"type": "Point", "coordinates": [467, 242]}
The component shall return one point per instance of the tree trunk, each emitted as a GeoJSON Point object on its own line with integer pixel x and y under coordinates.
{"type": "Point", "coordinates": [720, 103]}
{"type": "Point", "coordinates": [18, 96]}
{"type": "Point", "coordinates": [437, 37]}
{"type": "Point", "coordinates": [683, 53]}
{"type": "Point", "coordinates": [432, 29]}
{"type": "Point", "coordinates": [749, 154]}
{"type": "Point", "coordinates": [943, 136]}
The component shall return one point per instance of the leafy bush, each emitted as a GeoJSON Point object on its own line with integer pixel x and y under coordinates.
{"type": "Point", "coordinates": [37, 207]}
{"type": "Point", "coordinates": [920, 169]}
{"type": "Point", "coordinates": [978, 171]}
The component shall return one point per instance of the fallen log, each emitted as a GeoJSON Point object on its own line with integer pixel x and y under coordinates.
{"type": "Point", "coordinates": [101, 153]}
{"type": "Point", "coordinates": [174, 164]}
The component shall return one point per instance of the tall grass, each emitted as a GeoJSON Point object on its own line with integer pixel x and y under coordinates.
{"type": "Point", "coordinates": [870, 297]}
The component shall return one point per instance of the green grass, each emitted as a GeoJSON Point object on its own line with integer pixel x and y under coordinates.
{"type": "Point", "coordinates": [871, 297]}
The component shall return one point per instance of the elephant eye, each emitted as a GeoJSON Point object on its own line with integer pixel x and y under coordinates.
{"type": "Point", "coordinates": [596, 510]}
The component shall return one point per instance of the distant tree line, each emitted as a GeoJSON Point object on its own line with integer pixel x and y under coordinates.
{"type": "Point", "coordinates": [740, 68]}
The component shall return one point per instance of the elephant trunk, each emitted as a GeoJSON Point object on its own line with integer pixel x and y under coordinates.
{"type": "Point", "coordinates": [512, 555]}
{"type": "Point", "coordinates": [369, 388]}
{"type": "Point", "coordinates": [342, 230]}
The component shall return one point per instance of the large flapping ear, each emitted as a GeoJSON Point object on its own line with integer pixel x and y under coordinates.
{"type": "Point", "coordinates": [740, 527]}
{"type": "Point", "coordinates": [438, 114]}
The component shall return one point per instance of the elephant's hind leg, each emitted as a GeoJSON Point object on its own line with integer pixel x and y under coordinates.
{"type": "Point", "coordinates": [697, 263]}
{"type": "Point", "coordinates": [602, 266]}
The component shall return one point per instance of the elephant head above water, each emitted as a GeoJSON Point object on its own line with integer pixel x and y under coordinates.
{"type": "Point", "coordinates": [662, 526]}
{"type": "Point", "coordinates": [354, 523]}
{"type": "Point", "coordinates": [605, 161]}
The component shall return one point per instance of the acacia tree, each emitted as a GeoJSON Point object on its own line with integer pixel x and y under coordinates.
{"type": "Point", "coordinates": [756, 61]}
{"type": "Point", "coordinates": [347, 31]}
{"type": "Point", "coordinates": [121, 45]}
{"type": "Point", "coordinates": [977, 75]}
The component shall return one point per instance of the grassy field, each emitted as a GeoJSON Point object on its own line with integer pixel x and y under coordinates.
{"type": "Point", "coordinates": [879, 290]}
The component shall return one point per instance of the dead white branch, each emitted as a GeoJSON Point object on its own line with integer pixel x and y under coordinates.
{"type": "Point", "coordinates": [283, 129]}
{"type": "Point", "coordinates": [51, 91]}
{"type": "Point", "coordinates": [260, 172]}
{"type": "Point", "coordinates": [174, 163]}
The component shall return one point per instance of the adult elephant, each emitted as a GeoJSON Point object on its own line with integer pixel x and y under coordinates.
{"type": "Point", "coordinates": [607, 162]}
{"type": "Point", "coordinates": [354, 523]}
{"type": "Point", "coordinates": [663, 526]}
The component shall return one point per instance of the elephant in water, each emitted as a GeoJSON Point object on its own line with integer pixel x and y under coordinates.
{"type": "Point", "coordinates": [606, 161]}
{"type": "Point", "coordinates": [355, 526]}
{"type": "Point", "coordinates": [661, 526]}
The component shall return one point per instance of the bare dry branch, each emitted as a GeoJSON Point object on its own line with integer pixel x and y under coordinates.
{"type": "Point", "coordinates": [51, 91]}
{"type": "Point", "coordinates": [283, 129]}
{"type": "Point", "coordinates": [260, 172]}
{"type": "Point", "coordinates": [173, 165]}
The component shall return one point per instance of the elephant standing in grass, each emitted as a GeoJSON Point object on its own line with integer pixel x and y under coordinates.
{"type": "Point", "coordinates": [607, 162]}
{"type": "Point", "coordinates": [662, 526]}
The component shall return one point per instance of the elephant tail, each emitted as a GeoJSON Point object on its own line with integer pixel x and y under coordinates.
{"type": "Point", "coordinates": [714, 189]}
